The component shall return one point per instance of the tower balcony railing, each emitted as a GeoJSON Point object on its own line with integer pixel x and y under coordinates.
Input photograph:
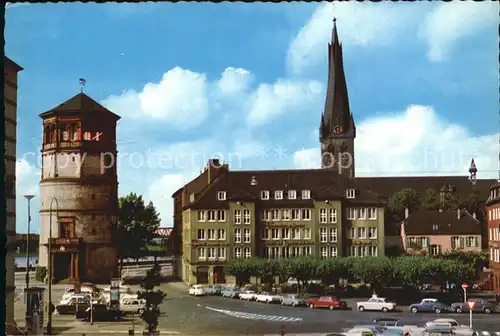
{"type": "Point", "coordinates": [66, 241]}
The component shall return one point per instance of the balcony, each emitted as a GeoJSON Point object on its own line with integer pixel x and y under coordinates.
{"type": "Point", "coordinates": [364, 241]}
{"type": "Point", "coordinates": [66, 241]}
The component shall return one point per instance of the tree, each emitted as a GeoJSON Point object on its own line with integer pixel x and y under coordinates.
{"type": "Point", "coordinates": [398, 202]}
{"type": "Point", "coordinates": [301, 268]}
{"type": "Point", "coordinates": [137, 226]}
{"type": "Point", "coordinates": [409, 270]}
{"type": "Point", "coordinates": [153, 298]}
{"type": "Point", "coordinates": [242, 269]}
{"type": "Point", "coordinates": [430, 200]}
{"type": "Point", "coordinates": [376, 271]}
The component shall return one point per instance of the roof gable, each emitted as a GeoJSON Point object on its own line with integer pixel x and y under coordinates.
{"type": "Point", "coordinates": [447, 222]}
{"type": "Point", "coordinates": [80, 103]}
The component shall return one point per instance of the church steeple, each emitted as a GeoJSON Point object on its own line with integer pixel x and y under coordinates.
{"type": "Point", "coordinates": [337, 130]}
{"type": "Point", "coordinates": [337, 117]}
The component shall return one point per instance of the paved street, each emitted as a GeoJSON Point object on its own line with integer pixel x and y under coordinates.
{"type": "Point", "coordinates": [213, 315]}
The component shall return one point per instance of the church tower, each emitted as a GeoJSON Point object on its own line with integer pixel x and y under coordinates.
{"type": "Point", "coordinates": [337, 130]}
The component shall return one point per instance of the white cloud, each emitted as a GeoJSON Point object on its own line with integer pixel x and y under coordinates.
{"type": "Point", "coordinates": [234, 80]}
{"type": "Point", "coordinates": [449, 22]}
{"type": "Point", "coordinates": [180, 98]}
{"type": "Point", "coordinates": [272, 100]}
{"type": "Point", "coordinates": [415, 142]}
{"type": "Point", "coordinates": [359, 24]}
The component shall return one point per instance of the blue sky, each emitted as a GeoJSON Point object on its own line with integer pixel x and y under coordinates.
{"type": "Point", "coordinates": [246, 82]}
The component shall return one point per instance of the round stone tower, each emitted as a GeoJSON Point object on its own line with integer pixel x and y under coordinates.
{"type": "Point", "coordinates": [79, 191]}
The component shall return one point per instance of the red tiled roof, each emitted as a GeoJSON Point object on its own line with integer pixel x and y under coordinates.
{"type": "Point", "coordinates": [422, 222]}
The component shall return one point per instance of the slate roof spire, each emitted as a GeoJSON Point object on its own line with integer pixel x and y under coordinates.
{"type": "Point", "coordinates": [337, 111]}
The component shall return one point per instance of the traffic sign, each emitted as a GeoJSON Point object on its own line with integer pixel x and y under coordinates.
{"type": "Point", "coordinates": [471, 304]}
{"type": "Point", "coordinates": [464, 286]}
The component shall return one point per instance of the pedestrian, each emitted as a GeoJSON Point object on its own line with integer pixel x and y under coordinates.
{"type": "Point", "coordinates": [497, 297]}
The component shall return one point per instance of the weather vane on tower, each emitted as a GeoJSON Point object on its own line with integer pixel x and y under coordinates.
{"type": "Point", "coordinates": [82, 84]}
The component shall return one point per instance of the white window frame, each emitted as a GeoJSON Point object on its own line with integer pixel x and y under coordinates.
{"type": "Point", "coordinates": [212, 256]}
{"type": "Point", "coordinates": [306, 214]}
{"type": "Point", "coordinates": [247, 252]}
{"type": "Point", "coordinates": [307, 233]}
{"type": "Point", "coordinates": [278, 194]}
{"type": "Point", "coordinates": [202, 253]}
{"type": "Point", "coordinates": [237, 235]}
{"type": "Point", "coordinates": [350, 193]}
{"type": "Point", "coordinates": [296, 233]}
{"type": "Point", "coordinates": [471, 239]}
{"type": "Point", "coordinates": [362, 213]}
{"type": "Point", "coordinates": [351, 214]}
{"type": "Point", "coordinates": [212, 218]}
{"type": "Point", "coordinates": [221, 234]}
{"type": "Point", "coordinates": [373, 251]}
{"type": "Point", "coordinates": [306, 194]}
{"type": "Point", "coordinates": [203, 236]}
{"type": "Point", "coordinates": [275, 234]}
{"type": "Point", "coordinates": [237, 216]}
{"type": "Point", "coordinates": [292, 194]}
{"type": "Point", "coordinates": [323, 235]}
{"type": "Point", "coordinates": [372, 213]}
{"type": "Point", "coordinates": [221, 196]}
{"type": "Point", "coordinates": [362, 233]}
{"type": "Point", "coordinates": [324, 252]}
{"type": "Point", "coordinates": [264, 235]}
{"type": "Point", "coordinates": [372, 233]}
{"type": "Point", "coordinates": [246, 216]}
{"type": "Point", "coordinates": [296, 214]}
{"type": "Point", "coordinates": [285, 214]}
{"type": "Point", "coordinates": [212, 234]}
{"type": "Point", "coordinates": [332, 216]}
{"type": "Point", "coordinates": [221, 253]}
{"type": "Point", "coordinates": [285, 233]}
{"type": "Point", "coordinates": [334, 251]}
{"type": "Point", "coordinates": [237, 252]}
{"type": "Point", "coordinates": [333, 234]}
{"type": "Point", "coordinates": [276, 214]}
{"type": "Point", "coordinates": [202, 216]}
{"type": "Point", "coordinates": [323, 216]}
{"type": "Point", "coordinates": [247, 235]}
{"type": "Point", "coordinates": [264, 195]}
{"type": "Point", "coordinates": [221, 215]}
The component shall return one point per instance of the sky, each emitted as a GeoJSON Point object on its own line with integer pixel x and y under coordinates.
{"type": "Point", "coordinates": [246, 83]}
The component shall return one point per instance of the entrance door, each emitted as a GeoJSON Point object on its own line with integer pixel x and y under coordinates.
{"type": "Point", "coordinates": [219, 276]}
{"type": "Point", "coordinates": [202, 275]}
{"type": "Point", "coordinates": [62, 266]}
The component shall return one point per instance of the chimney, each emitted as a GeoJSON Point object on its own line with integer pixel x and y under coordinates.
{"type": "Point", "coordinates": [459, 212]}
{"type": "Point", "coordinates": [215, 169]}
{"type": "Point", "coordinates": [407, 213]}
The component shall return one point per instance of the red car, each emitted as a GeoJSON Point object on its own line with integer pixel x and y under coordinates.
{"type": "Point", "coordinates": [326, 301]}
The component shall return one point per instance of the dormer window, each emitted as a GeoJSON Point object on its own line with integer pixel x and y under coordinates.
{"type": "Point", "coordinates": [278, 194]}
{"type": "Point", "coordinates": [435, 227]}
{"type": "Point", "coordinates": [350, 193]}
{"type": "Point", "coordinates": [264, 194]}
{"type": "Point", "coordinates": [292, 194]}
{"type": "Point", "coordinates": [221, 195]}
{"type": "Point", "coordinates": [306, 194]}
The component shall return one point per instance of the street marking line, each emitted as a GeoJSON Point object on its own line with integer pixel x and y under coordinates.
{"type": "Point", "coordinates": [253, 316]}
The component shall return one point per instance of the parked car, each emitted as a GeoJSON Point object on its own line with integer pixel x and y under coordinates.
{"type": "Point", "coordinates": [293, 300]}
{"type": "Point", "coordinates": [232, 293]}
{"type": "Point", "coordinates": [481, 306]}
{"type": "Point", "coordinates": [210, 290]}
{"type": "Point", "coordinates": [327, 301]}
{"type": "Point", "coordinates": [387, 322]}
{"type": "Point", "coordinates": [428, 305]}
{"type": "Point", "coordinates": [376, 303]}
{"type": "Point", "coordinates": [458, 328]}
{"type": "Point", "coordinates": [248, 295]}
{"type": "Point", "coordinates": [267, 297]}
{"type": "Point", "coordinates": [197, 290]}
{"type": "Point", "coordinates": [72, 304]}
{"type": "Point", "coordinates": [129, 306]}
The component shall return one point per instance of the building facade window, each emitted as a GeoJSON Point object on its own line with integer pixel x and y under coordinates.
{"type": "Point", "coordinates": [292, 194]}
{"type": "Point", "coordinates": [306, 214]}
{"type": "Point", "coordinates": [247, 235]}
{"type": "Point", "coordinates": [295, 214]}
{"type": "Point", "coordinates": [221, 234]}
{"type": "Point", "coordinates": [264, 195]}
{"type": "Point", "coordinates": [202, 253]}
{"type": "Point", "coordinates": [333, 251]}
{"type": "Point", "coordinates": [350, 193]}
{"type": "Point", "coordinates": [275, 233]}
{"type": "Point", "coordinates": [246, 216]}
{"type": "Point", "coordinates": [372, 233]}
{"type": "Point", "coordinates": [278, 194]}
{"type": "Point", "coordinates": [212, 215]}
{"type": "Point", "coordinates": [306, 250]}
{"type": "Point", "coordinates": [323, 237]}
{"type": "Point", "coordinates": [323, 216]}
{"type": "Point", "coordinates": [285, 214]}
{"type": "Point", "coordinates": [212, 253]}
{"type": "Point", "coordinates": [362, 233]}
{"type": "Point", "coordinates": [247, 252]}
{"type": "Point", "coordinates": [221, 253]}
{"type": "Point", "coordinates": [265, 234]}
{"type": "Point", "coordinates": [306, 194]}
{"type": "Point", "coordinates": [221, 215]}
{"type": "Point", "coordinates": [212, 234]}
{"type": "Point", "coordinates": [201, 234]}
{"type": "Point", "coordinates": [296, 233]}
{"type": "Point", "coordinates": [333, 235]}
{"type": "Point", "coordinates": [435, 249]}
{"type": "Point", "coordinates": [307, 233]}
{"type": "Point", "coordinates": [372, 213]}
{"type": "Point", "coordinates": [333, 216]}
{"type": "Point", "coordinates": [285, 233]}
{"type": "Point", "coordinates": [221, 195]}
{"type": "Point", "coordinates": [362, 213]}
{"type": "Point", "coordinates": [202, 216]}
{"type": "Point", "coordinates": [324, 252]}
{"type": "Point", "coordinates": [237, 235]}
{"type": "Point", "coordinates": [472, 241]}
{"type": "Point", "coordinates": [351, 213]}
{"type": "Point", "coordinates": [237, 252]}
{"type": "Point", "coordinates": [276, 214]}
{"type": "Point", "coordinates": [237, 216]}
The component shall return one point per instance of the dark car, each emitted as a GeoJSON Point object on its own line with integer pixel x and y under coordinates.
{"type": "Point", "coordinates": [428, 305]}
{"type": "Point", "coordinates": [481, 306]}
{"type": "Point", "coordinates": [74, 305]}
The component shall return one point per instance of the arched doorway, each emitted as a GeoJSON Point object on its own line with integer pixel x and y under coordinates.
{"type": "Point", "coordinates": [202, 275]}
{"type": "Point", "coordinates": [219, 276]}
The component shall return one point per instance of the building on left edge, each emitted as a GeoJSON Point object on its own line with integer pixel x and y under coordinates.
{"type": "Point", "coordinates": [493, 217]}
{"type": "Point", "coordinates": [11, 70]}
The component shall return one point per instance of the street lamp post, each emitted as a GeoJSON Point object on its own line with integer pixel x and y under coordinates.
{"type": "Point", "coordinates": [49, 321]}
{"type": "Point", "coordinates": [28, 197]}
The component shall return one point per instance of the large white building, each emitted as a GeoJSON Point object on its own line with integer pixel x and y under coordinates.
{"type": "Point", "coordinates": [11, 70]}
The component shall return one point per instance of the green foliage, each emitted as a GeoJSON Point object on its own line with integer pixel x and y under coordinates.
{"type": "Point", "coordinates": [430, 200]}
{"type": "Point", "coordinates": [41, 273]}
{"type": "Point", "coordinates": [137, 224]}
{"type": "Point", "coordinates": [409, 271]}
{"type": "Point", "coordinates": [154, 298]}
{"type": "Point", "coordinates": [397, 203]}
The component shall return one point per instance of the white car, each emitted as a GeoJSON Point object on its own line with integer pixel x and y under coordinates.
{"type": "Point", "coordinates": [376, 303]}
{"type": "Point", "coordinates": [267, 297]}
{"type": "Point", "coordinates": [248, 295]}
{"type": "Point", "coordinates": [132, 306]}
{"type": "Point", "coordinates": [197, 290]}
{"type": "Point", "coordinates": [461, 329]}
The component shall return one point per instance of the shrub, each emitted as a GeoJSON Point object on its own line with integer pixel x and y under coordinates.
{"type": "Point", "coordinates": [41, 273]}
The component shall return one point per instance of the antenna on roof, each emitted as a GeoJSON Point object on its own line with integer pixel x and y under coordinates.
{"type": "Point", "coordinates": [82, 83]}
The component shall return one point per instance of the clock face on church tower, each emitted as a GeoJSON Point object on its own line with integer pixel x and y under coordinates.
{"type": "Point", "coordinates": [337, 129]}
